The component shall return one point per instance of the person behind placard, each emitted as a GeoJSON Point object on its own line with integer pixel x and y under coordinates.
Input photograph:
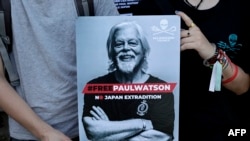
{"type": "Point", "coordinates": [212, 31]}
{"type": "Point", "coordinates": [128, 50]}
{"type": "Point", "coordinates": [44, 106]}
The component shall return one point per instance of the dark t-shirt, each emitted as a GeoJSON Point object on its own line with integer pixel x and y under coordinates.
{"type": "Point", "coordinates": [160, 110]}
{"type": "Point", "coordinates": [209, 115]}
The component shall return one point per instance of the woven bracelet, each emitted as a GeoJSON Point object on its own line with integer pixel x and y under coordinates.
{"type": "Point", "coordinates": [210, 62]}
{"type": "Point", "coordinates": [220, 56]}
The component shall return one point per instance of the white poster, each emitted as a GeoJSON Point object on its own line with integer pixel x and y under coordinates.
{"type": "Point", "coordinates": [128, 77]}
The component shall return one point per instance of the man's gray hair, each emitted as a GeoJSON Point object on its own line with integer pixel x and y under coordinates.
{"type": "Point", "coordinates": [141, 36]}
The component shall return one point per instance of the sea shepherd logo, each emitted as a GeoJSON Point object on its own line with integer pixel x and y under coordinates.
{"type": "Point", "coordinates": [163, 32]}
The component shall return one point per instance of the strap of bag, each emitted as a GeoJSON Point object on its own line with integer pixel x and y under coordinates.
{"type": "Point", "coordinates": [5, 21]}
{"type": "Point", "coordinates": [91, 8]}
{"type": "Point", "coordinates": [12, 74]}
{"type": "Point", "coordinates": [5, 41]}
{"type": "Point", "coordinates": [85, 7]}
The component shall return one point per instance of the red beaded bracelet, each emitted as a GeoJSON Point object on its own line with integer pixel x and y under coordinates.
{"type": "Point", "coordinates": [233, 76]}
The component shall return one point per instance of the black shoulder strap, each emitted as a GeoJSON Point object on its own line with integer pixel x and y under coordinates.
{"type": "Point", "coordinates": [85, 7]}
{"type": "Point", "coordinates": [5, 41]}
{"type": "Point", "coordinates": [91, 8]}
{"type": "Point", "coordinates": [5, 21]}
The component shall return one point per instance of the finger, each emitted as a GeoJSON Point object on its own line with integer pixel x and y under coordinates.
{"type": "Point", "coordinates": [187, 43]}
{"type": "Point", "coordinates": [101, 114]}
{"type": "Point", "coordinates": [188, 21]}
{"type": "Point", "coordinates": [93, 118]}
{"type": "Point", "coordinates": [186, 46]}
{"type": "Point", "coordinates": [104, 115]}
{"type": "Point", "coordinates": [101, 111]}
{"type": "Point", "coordinates": [97, 111]}
{"type": "Point", "coordinates": [185, 33]}
{"type": "Point", "coordinates": [94, 115]}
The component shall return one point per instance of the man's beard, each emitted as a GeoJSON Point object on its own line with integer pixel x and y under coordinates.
{"type": "Point", "coordinates": [128, 63]}
{"type": "Point", "coordinates": [130, 67]}
{"type": "Point", "coordinates": [126, 67]}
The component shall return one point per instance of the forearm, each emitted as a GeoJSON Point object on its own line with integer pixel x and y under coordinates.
{"type": "Point", "coordinates": [234, 78]}
{"type": "Point", "coordinates": [115, 130]}
{"type": "Point", "coordinates": [238, 84]}
{"type": "Point", "coordinates": [117, 136]}
{"type": "Point", "coordinates": [15, 107]}
{"type": "Point", "coordinates": [153, 135]}
{"type": "Point", "coordinates": [146, 125]}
